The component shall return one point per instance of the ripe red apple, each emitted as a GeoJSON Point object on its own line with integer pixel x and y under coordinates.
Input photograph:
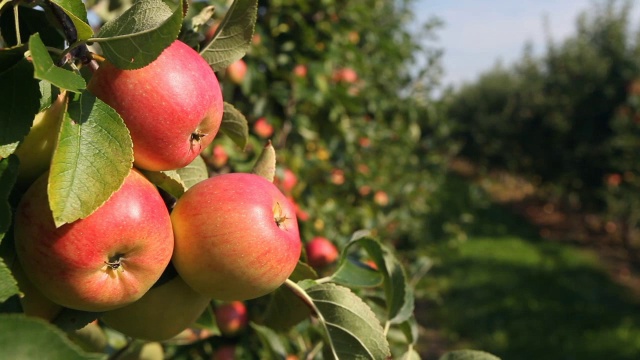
{"type": "Point", "coordinates": [231, 317]}
{"type": "Point", "coordinates": [262, 128]}
{"type": "Point", "coordinates": [237, 71]}
{"type": "Point", "coordinates": [321, 252]}
{"type": "Point", "coordinates": [173, 107]}
{"type": "Point", "coordinates": [236, 237]}
{"type": "Point", "coordinates": [104, 261]}
{"type": "Point", "coordinates": [225, 352]}
{"type": "Point", "coordinates": [300, 71]}
{"type": "Point", "coordinates": [287, 181]}
{"type": "Point", "coordinates": [346, 75]}
{"type": "Point", "coordinates": [381, 198]}
{"type": "Point", "coordinates": [162, 313]}
{"type": "Point", "coordinates": [219, 156]}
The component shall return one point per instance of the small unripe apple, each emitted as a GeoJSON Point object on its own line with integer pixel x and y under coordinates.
{"type": "Point", "coordinates": [108, 259]}
{"type": "Point", "coordinates": [231, 317]}
{"type": "Point", "coordinates": [236, 237]}
{"type": "Point", "coordinates": [262, 128]}
{"type": "Point", "coordinates": [172, 107]}
{"type": "Point", "coordinates": [321, 252]}
{"type": "Point", "coordinates": [237, 71]}
{"type": "Point", "coordinates": [162, 313]}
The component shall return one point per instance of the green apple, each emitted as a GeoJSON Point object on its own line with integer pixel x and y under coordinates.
{"type": "Point", "coordinates": [162, 313]}
{"type": "Point", "coordinates": [36, 150]}
{"type": "Point", "coordinates": [236, 237]}
{"type": "Point", "coordinates": [172, 107]}
{"type": "Point", "coordinates": [104, 261]}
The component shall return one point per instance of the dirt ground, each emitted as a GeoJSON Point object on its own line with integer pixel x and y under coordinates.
{"type": "Point", "coordinates": [557, 221]}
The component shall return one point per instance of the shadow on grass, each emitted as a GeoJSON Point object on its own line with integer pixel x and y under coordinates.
{"type": "Point", "coordinates": [506, 291]}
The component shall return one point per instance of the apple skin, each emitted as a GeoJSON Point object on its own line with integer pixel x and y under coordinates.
{"type": "Point", "coordinates": [172, 107]}
{"type": "Point", "coordinates": [236, 237]}
{"type": "Point", "coordinates": [321, 252]}
{"type": "Point", "coordinates": [300, 71]}
{"type": "Point", "coordinates": [162, 313]}
{"type": "Point", "coordinates": [36, 150]}
{"type": "Point", "coordinates": [32, 301]}
{"type": "Point", "coordinates": [237, 71]}
{"type": "Point", "coordinates": [231, 317]}
{"type": "Point", "coordinates": [69, 264]}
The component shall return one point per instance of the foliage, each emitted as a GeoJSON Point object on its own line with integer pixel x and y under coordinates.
{"type": "Point", "coordinates": [566, 118]}
{"type": "Point", "coordinates": [366, 149]}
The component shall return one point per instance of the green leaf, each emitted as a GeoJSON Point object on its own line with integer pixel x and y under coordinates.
{"type": "Point", "coordinates": [411, 354]}
{"type": "Point", "coordinates": [233, 36]}
{"type": "Point", "coordinates": [19, 104]}
{"type": "Point", "coordinates": [468, 355]}
{"type": "Point", "coordinates": [193, 173]}
{"type": "Point", "coordinates": [235, 126]}
{"type": "Point", "coordinates": [285, 310]}
{"type": "Point", "coordinates": [353, 328]}
{"type": "Point", "coordinates": [398, 293]}
{"type": "Point", "coordinates": [70, 319]}
{"type": "Point", "coordinates": [354, 274]}
{"type": "Point", "coordinates": [410, 330]}
{"type": "Point", "coordinates": [169, 181]}
{"type": "Point", "coordinates": [24, 337]}
{"type": "Point", "coordinates": [8, 175]}
{"type": "Point", "coordinates": [270, 342]}
{"type": "Point", "coordinates": [77, 12]}
{"type": "Point", "coordinates": [46, 70]}
{"type": "Point", "coordinates": [93, 157]}
{"type": "Point", "coordinates": [265, 166]}
{"type": "Point", "coordinates": [8, 285]}
{"type": "Point", "coordinates": [140, 34]}
{"type": "Point", "coordinates": [302, 272]}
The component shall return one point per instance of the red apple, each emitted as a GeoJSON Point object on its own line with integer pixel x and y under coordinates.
{"type": "Point", "coordinates": [237, 71]}
{"type": "Point", "coordinates": [231, 317]}
{"type": "Point", "coordinates": [321, 252]}
{"type": "Point", "coordinates": [225, 352]}
{"type": "Point", "coordinates": [104, 261]}
{"type": "Point", "coordinates": [337, 176]}
{"type": "Point", "coordinates": [262, 128]}
{"type": "Point", "coordinates": [381, 198]}
{"type": "Point", "coordinates": [346, 75]}
{"type": "Point", "coordinates": [300, 71]}
{"type": "Point", "coordinates": [287, 181]}
{"type": "Point", "coordinates": [173, 107]}
{"type": "Point", "coordinates": [162, 313]}
{"type": "Point", "coordinates": [219, 156]}
{"type": "Point", "coordinates": [236, 237]}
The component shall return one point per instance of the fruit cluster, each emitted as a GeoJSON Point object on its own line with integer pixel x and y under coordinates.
{"type": "Point", "coordinates": [149, 268]}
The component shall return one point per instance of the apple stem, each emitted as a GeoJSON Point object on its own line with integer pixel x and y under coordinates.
{"type": "Point", "coordinates": [323, 280]}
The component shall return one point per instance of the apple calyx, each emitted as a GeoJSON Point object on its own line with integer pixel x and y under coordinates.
{"type": "Point", "coordinates": [280, 217]}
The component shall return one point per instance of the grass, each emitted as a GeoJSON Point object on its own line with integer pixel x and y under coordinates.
{"type": "Point", "coordinates": [507, 291]}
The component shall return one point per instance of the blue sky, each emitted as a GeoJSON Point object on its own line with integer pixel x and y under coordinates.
{"type": "Point", "coordinates": [479, 32]}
